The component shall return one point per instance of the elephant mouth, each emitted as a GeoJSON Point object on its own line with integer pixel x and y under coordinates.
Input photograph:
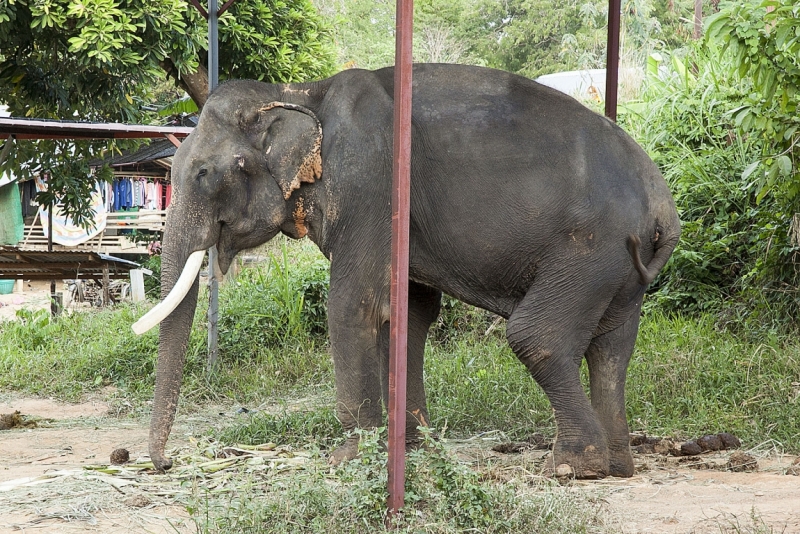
{"type": "Point", "coordinates": [225, 249]}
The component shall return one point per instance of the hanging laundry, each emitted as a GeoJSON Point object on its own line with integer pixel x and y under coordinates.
{"type": "Point", "coordinates": [159, 197]}
{"type": "Point", "coordinates": [12, 228]}
{"type": "Point", "coordinates": [65, 231]}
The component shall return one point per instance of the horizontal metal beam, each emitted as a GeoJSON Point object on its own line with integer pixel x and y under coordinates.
{"type": "Point", "coordinates": [50, 129]}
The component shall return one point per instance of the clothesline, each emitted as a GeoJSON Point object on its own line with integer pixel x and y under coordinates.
{"type": "Point", "coordinates": [127, 193]}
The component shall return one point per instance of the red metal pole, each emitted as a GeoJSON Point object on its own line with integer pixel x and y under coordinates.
{"type": "Point", "coordinates": [612, 59]}
{"type": "Point", "coordinates": [401, 215]}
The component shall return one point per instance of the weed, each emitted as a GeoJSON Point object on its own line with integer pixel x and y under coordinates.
{"type": "Point", "coordinates": [443, 496]}
{"type": "Point", "coordinates": [299, 427]}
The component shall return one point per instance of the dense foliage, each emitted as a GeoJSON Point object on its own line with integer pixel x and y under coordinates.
{"type": "Point", "coordinates": [738, 254]}
{"type": "Point", "coordinates": [762, 40]}
{"type": "Point", "coordinates": [102, 60]}
{"type": "Point", "coordinates": [528, 37]}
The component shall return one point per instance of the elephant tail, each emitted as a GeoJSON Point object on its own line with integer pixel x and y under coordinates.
{"type": "Point", "coordinates": [663, 245]}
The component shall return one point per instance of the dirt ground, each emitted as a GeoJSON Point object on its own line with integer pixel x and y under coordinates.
{"type": "Point", "coordinates": [663, 497]}
{"type": "Point", "coordinates": [35, 296]}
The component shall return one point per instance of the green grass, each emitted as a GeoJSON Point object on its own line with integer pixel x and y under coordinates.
{"type": "Point", "coordinates": [481, 371]}
{"type": "Point", "coordinates": [443, 496]}
{"type": "Point", "coordinates": [689, 378]}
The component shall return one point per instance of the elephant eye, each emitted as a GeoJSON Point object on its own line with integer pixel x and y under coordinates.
{"type": "Point", "coordinates": [202, 172]}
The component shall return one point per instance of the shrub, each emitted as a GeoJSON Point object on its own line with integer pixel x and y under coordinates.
{"type": "Point", "coordinates": [736, 257]}
{"type": "Point", "coordinates": [278, 303]}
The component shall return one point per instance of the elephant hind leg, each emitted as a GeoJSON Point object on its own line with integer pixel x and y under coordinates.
{"type": "Point", "coordinates": [608, 357]}
{"type": "Point", "coordinates": [549, 331]}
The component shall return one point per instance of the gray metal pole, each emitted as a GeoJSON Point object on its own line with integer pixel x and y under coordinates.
{"type": "Point", "coordinates": [213, 283]}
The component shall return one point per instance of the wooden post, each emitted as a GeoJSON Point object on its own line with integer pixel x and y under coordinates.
{"type": "Point", "coordinates": [698, 19]}
{"type": "Point", "coordinates": [612, 58]}
{"type": "Point", "coordinates": [106, 285]}
{"type": "Point", "coordinates": [53, 304]}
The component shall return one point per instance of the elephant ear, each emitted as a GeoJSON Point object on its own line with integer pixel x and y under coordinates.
{"type": "Point", "coordinates": [291, 138]}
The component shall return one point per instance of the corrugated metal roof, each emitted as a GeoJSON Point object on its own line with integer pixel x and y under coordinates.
{"type": "Point", "coordinates": [58, 265]}
{"type": "Point", "coordinates": [156, 150]}
{"type": "Point", "coordinates": [52, 129]}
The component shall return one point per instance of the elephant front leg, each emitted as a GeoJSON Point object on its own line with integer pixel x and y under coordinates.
{"type": "Point", "coordinates": [355, 346]}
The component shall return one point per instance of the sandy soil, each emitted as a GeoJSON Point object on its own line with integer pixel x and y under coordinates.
{"type": "Point", "coordinates": [674, 499]}
{"type": "Point", "coordinates": [77, 435]}
{"type": "Point", "coordinates": [665, 496]}
{"type": "Point", "coordinates": [35, 296]}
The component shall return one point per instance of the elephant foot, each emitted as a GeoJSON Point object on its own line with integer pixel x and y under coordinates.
{"type": "Point", "coordinates": [621, 463]}
{"type": "Point", "coordinates": [346, 452]}
{"type": "Point", "coordinates": [588, 462]}
{"type": "Point", "coordinates": [161, 463]}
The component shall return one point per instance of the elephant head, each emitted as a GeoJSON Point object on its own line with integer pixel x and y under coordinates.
{"type": "Point", "coordinates": [233, 182]}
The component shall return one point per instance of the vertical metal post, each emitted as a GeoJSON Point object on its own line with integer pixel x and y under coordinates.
{"type": "Point", "coordinates": [53, 303]}
{"type": "Point", "coordinates": [612, 58]}
{"type": "Point", "coordinates": [401, 215]}
{"type": "Point", "coordinates": [213, 283]}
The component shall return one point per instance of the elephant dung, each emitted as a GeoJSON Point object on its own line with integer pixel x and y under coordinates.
{"type": "Point", "coordinates": [120, 456]}
{"type": "Point", "coordinates": [15, 420]}
{"type": "Point", "coordinates": [741, 461]}
{"type": "Point", "coordinates": [711, 442]}
{"type": "Point", "coordinates": [690, 448]}
{"type": "Point", "coordinates": [564, 471]}
{"type": "Point", "coordinates": [729, 441]}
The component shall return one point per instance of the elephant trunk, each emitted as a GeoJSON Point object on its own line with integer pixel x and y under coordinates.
{"type": "Point", "coordinates": [172, 344]}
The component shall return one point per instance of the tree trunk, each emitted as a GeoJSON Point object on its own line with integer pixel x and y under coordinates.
{"type": "Point", "coordinates": [195, 84]}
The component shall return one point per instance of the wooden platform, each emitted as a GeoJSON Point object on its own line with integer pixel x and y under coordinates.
{"type": "Point", "coordinates": [117, 237]}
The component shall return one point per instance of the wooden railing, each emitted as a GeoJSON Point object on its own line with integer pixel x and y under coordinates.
{"type": "Point", "coordinates": [115, 239]}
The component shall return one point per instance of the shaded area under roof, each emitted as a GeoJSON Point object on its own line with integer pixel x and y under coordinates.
{"type": "Point", "coordinates": [42, 265]}
{"type": "Point", "coordinates": [158, 149]}
{"type": "Point", "coordinates": [53, 129]}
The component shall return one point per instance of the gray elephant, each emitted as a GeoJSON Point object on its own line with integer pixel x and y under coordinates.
{"type": "Point", "coordinates": [523, 202]}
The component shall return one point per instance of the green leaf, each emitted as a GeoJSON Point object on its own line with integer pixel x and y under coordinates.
{"type": "Point", "coordinates": [749, 169]}
{"type": "Point", "coordinates": [784, 164]}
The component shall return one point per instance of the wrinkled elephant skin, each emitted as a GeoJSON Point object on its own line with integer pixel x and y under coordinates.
{"type": "Point", "coordinates": [523, 202]}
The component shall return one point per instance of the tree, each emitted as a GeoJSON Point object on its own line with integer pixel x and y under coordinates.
{"type": "Point", "coordinates": [762, 39]}
{"type": "Point", "coordinates": [103, 60]}
{"type": "Point", "coordinates": [364, 31]}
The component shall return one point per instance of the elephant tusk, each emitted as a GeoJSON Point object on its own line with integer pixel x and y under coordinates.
{"type": "Point", "coordinates": [161, 310]}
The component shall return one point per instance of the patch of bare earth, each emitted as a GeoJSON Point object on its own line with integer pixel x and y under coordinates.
{"type": "Point", "coordinates": [674, 495]}
{"type": "Point", "coordinates": [705, 496]}
{"type": "Point", "coordinates": [45, 488]}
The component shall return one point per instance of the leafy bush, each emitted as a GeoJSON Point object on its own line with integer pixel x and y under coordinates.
{"type": "Point", "coordinates": [275, 304]}
{"type": "Point", "coordinates": [736, 257]}
{"type": "Point", "coordinates": [152, 283]}
{"type": "Point", "coordinates": [457, 318]}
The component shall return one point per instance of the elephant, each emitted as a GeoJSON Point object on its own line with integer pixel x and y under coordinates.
{"type": "Point", "coordinates": [524, 202]}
